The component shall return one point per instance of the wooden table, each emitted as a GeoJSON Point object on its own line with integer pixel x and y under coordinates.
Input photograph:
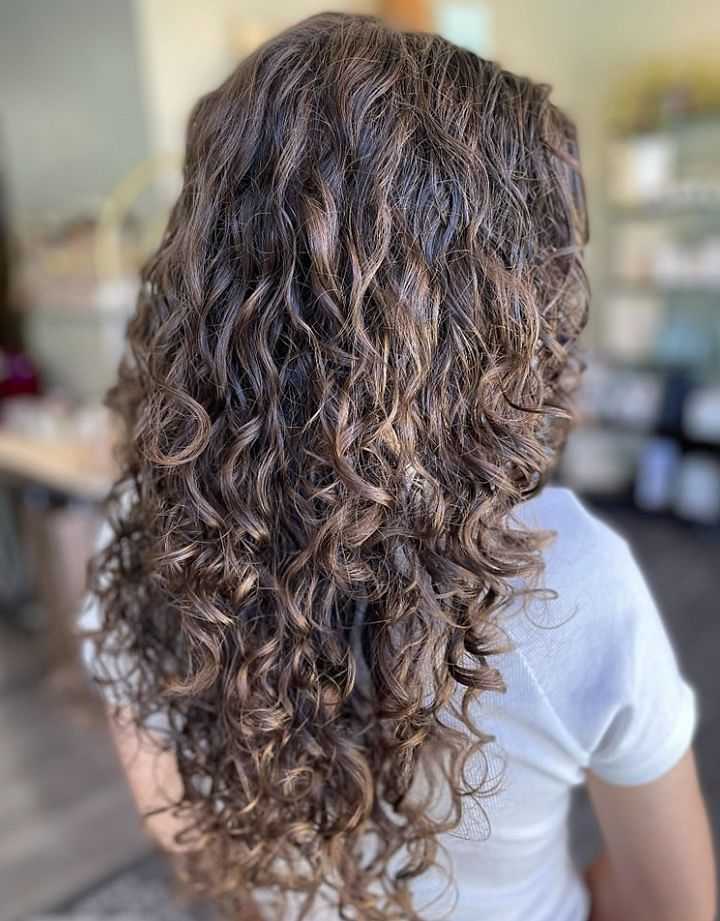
{"type": "Point", "coordinates": [68, 467]}
{"type": "Point", "coordinates": [48, 529]}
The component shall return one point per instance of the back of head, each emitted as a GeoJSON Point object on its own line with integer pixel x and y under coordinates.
{"type": "Point", "coordinates": [352, 357]}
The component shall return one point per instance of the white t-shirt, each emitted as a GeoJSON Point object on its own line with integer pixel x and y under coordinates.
{"type": "Point", "coordinates": [592, 683]}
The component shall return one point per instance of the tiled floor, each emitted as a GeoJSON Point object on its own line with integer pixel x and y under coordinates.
{"type": "Point", "coordinates": [66, 820]}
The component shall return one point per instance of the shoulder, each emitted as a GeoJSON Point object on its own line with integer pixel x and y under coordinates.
{"type": "Point", "coordinates": [586, 560]}
{"type": "Point", "coordinates": [581, 635]}
{"type": "Point", "coordinates": [579, 533]}
{"type": "Point", "coordinates": [598, 651]}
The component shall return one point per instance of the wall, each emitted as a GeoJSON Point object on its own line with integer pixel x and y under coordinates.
{"type": "Point", "coordinates": [72, 121]}
{"type": "Point", "coordinates": [187, 47]}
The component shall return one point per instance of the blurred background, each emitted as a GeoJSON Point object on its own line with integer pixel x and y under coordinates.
{"type": "Point", "coordinates": [93, 100]}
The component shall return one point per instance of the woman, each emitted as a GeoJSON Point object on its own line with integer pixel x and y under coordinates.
{"type": "Point", "coordinates": [330, 552]}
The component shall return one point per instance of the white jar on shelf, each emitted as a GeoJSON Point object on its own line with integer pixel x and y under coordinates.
{"type": "Point", "coordinates": [697, 490]}
{"type": "Point", "coordinates": [642, 168]}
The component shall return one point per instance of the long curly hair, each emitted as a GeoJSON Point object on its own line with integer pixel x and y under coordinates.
{"type": "Point", "coordinates": [352, 357]}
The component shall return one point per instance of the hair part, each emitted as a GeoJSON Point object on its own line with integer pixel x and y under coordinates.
{"type": "Point", "coordinates": [353, 355]}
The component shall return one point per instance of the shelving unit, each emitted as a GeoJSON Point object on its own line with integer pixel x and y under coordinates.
{"type": "Point", "coordinates": [660, 343]}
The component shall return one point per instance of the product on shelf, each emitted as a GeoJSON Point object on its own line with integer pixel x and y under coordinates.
{"type": "Point", "coordinates": [656, 474]}
{"type": "Point", "coordinates": [701, 417]}
{"type": "Point", "coordinates": [697, 491]}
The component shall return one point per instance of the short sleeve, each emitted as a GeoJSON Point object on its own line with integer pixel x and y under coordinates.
{"type": "Point", "coordinates": [109, 664]}
{"type": "Point", "coordinates": [106, 669]}
{"type": "Point", "coordinates": [655, 716]}
{"type": "Point", "coordinates": [90, 618]}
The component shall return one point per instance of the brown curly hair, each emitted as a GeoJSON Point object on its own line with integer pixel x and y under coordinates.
{"type": "Point", "coordinates": [352, 356]}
